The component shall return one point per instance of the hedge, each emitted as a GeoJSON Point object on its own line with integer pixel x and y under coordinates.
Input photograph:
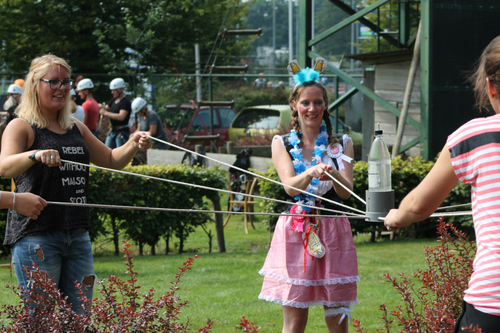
{"type": "Point", "coordinates": [406, 175]}
{"type": "Point", "coordinates": [146, 227]}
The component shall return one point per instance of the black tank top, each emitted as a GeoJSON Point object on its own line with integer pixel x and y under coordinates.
{"type": "Point", "coordinates": [331, 194]}
{"type": "Point", "coordinates": [66, 183]}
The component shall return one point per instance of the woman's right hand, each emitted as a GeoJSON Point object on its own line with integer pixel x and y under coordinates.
{"type": "Point", "coordinates": [319, 170]}
{"type": "Point", "coordinates": [29, 204]}
{"type": "Point", "coordinates": [49, 157]}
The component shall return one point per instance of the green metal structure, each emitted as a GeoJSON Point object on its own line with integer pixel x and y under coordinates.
{"type": "Point", "coordinates": [454, 33]}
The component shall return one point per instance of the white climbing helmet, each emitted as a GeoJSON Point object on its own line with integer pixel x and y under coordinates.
{"type": "Point", "coordinates": [85, 84]}
{"type": "Point", "coordinates": [15, 89]}
{"type": "Point", "coordinates": [138, 104]}
{"type": "Point", "coordinates": [117, 84]}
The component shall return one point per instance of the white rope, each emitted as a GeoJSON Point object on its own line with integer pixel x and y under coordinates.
{"type": "Point", "coordinates": [455, 206]}
{"type": "Point", "coordinates": [193, 210]}
{"type": "Point", "coordinates": [462, 213]}
{"type": "Point", "coordinates": [258, 176]}
{"type": "Point", "coordinates": [345, 187]}
{"type": "Point", "coordinates": [205, 187]}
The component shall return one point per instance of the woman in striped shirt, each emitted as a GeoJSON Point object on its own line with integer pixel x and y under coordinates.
{"type": "Point", "coordinates": [471, 155]}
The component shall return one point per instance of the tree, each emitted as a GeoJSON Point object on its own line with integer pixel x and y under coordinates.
{"type": "Point", "coordinates": [389, 23]}
{"type": "Point", "coordinates": [63, 27]}
{"type": "Point", "coordinates": [123, 36]}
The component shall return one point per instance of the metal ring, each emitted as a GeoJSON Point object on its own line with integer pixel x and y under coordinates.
{"type": "Point", "coordinates": [52, 157]}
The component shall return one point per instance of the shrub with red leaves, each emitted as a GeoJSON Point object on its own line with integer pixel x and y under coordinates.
{"type": "Point", "coordinates": [44, 309]}
{"type": "Point", "coordinates": [435, 306]}
{"type": "Point", "coordinates": [248, 327]}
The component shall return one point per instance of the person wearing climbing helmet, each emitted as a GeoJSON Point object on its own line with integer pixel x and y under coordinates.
{"type": "Point", "coordinates": [118, 111]}
{"type": "Point", "coordinates": [149, 121]}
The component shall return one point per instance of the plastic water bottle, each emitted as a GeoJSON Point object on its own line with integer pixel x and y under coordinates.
{"type": "Point", "coordinates": [379, 164]}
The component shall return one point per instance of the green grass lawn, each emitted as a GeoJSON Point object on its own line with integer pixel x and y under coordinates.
{"type": "Point", "coordinates": [223, 287]}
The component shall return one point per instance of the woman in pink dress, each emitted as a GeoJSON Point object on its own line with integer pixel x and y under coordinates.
{"type": "Point", "coordinates": [312, 261]}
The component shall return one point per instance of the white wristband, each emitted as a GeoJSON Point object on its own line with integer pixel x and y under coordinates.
{"type": "Point", "coordinates": [14, 201]}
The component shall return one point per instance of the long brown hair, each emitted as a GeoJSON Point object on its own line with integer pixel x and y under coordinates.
{"type": "Point", "coordinates": [294, 97]}
{"type": "Point", "coordinates": [488, 66]}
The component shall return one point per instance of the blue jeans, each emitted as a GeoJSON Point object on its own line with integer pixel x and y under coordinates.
{"type": "Point", "coordinates": [117, 139]}
{"type": "Point", "coordinates": [66, 256]}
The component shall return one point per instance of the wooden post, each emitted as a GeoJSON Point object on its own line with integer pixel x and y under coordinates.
{"type": "Point", "coordinates": [230, 147]}
{"type": "Point", "coordinates": [407, 97]}
{"type": "Point", "coordinates": [219, 224]}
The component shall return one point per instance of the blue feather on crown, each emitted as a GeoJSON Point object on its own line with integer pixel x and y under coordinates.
{"type": "Point", "coordinates": [305, 75]}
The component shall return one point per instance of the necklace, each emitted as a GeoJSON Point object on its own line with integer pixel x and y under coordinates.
{"type": "Point", "coordinates": [300, 167]}
{"type": "Point", "coordinates": [311, 242]}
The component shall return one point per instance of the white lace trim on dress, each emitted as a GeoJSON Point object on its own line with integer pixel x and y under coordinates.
{"type": "Point", "coordinates": [309, 283]}
{"type": "Point", "coordinates": [305, 305]}
{"type": "Point", "coordinates": [345, 311]}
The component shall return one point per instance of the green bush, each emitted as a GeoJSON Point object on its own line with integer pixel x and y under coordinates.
{"type": "Point", "coordinates": [145, 227]}
{"type": "Point", "coordinates": [406, 175]}
{"type": "Point", "coordinates": [149, 226]}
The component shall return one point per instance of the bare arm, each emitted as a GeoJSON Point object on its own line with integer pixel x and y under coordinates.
{"type": "Point", "coordinates": [284, 168]}
{"type": "Point", "coordinates": [116, 158]}
{"type": "Point", "coordinates": [85, 118]}
{"type": "Point", "coordinates": [115, 116]}
{"type": "Point", "coordinates": [422, 201]}
{"type": "Point", "coordinates": [152, 129]}
{"type": "Point", "coordinates": [286, 172]}
{"type": "Point", "coordinates": [27, 204]}
{"type": "Point", "coordinates": [14, 156]}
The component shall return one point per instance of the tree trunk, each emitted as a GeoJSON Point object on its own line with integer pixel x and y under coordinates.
{"type": "Point", "coordinates": [114, 227]}
{"type": "Point", "coordinates": [167, 239]}
{"type": "Point", "coordinates": [219, 223]}
{"type": "Point", "coordinates": [181, 240]}
{"type": "Point", "coordinates": [141, 248]}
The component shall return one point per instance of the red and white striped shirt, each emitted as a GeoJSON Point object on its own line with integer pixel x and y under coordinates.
{"type": "Point", "coordinates": [475, 156]}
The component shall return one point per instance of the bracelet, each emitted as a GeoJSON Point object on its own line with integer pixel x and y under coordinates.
{"type": "Point", "coordinates": [32, 156]}
{"type": "Point", "coordinates": [14, 201]}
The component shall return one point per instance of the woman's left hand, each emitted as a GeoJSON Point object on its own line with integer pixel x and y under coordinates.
{"type": "Point", "coordinates": [141, 140]}
{"type": "Point", "coordinates": [332, 171]}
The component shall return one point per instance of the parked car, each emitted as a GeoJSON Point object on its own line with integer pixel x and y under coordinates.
{"type": "Point", "coordinates": [262, 122]}
{"type": "Point", "coordinates": [195, 121]}
{"type": "Point", "coordinates": [258, 124]}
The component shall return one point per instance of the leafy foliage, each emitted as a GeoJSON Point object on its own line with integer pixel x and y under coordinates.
{"type": "Point", "coordinates": [128, 36]}
{"type": "Point", "coordinates": [389, 23]}
{"type": "Point", "coordinates": [147, 227]}
{"type": "Point", "coordinates": [271, 190]}
{"type": "Point", "coordinates": [119, 310]}
{"type": "Point", "coordinates": [245, 94]}
{"type": "Point", "coordinates": [434, 306]}
{"type": "Point", "coordinates": [406, 175]}
{"type": "Point", "coordinates": [248, 327]}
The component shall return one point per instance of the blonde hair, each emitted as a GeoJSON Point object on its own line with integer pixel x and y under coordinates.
{"type": "Point", "coordinates": [73, 106]}
{"type": "Point", "coordinates": [294, 97]}
{"type": "Point", "coordinates": [29, 109]}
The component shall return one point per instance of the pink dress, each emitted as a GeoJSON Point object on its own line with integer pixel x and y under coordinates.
{"type": "Point", "coordinates": [297, 280]}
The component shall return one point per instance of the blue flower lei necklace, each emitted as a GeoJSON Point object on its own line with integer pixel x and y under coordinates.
{"type": "Point", "coordinates": [299, 165]}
